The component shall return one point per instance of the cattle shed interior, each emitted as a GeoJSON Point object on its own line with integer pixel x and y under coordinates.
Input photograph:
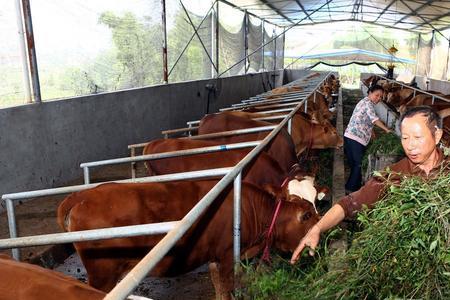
{"type": "Point", "coordinates": [83, 81]}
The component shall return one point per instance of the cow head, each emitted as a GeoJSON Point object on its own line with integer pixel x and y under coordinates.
{"type": "Point", "coordinates": [298, 186]}
{"type": "Point", "coordinates": [293, 222]}
{"type": "Point", "coordinates": [325, 136]}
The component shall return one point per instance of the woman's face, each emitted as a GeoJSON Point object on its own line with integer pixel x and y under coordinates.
{"type": "Point", "coordinates": [375, 96]}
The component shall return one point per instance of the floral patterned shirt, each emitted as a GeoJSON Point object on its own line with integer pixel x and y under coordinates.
{"type": "Point", "coordinates": [361, 123]}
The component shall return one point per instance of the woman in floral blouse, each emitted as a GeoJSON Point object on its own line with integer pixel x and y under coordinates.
{"type": "Point", "coordinates": [358, 133]}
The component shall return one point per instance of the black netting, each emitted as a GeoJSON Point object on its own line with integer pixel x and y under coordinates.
{"type": "Point", "coordinates": [269, 49]}
{"type": "Point", "coordinates": [194, 63]}
{"type": "Point", "coordinates": [255, 42]}
{"type": "Point", "coordinates": [12, 90]}
{"type": "Point", "coordinates": [116, 46]}
{"type": "Point", "coordinates": [280, 50]}
{"type": "Point", "coordinates": [439, 56]}
{"type": "Point", "coordinates": [424, 54]}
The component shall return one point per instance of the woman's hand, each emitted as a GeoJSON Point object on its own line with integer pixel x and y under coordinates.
{"type": "Point", "coordinates": [310, 240]}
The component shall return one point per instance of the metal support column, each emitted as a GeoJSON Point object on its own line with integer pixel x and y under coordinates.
{"type": "Point", "coordinates": [86, 175]}
{"type": "Point", "coordinates": [164, 45]}
{"type": "Point", "coordinates": [237, 184]}
{"type": "Point", "coordinates": [274, 34]}
{"type": "Point", "coordinates": [216, 40]}
{"type": "Point", "coordinates": [23, 52]}
{"type": "Point", "coordinates": [31, 51]}
{"type": "Point", "coordinates": [246, 61]}
{"type": "Point", "coordinates": [262, 46]}
{"type": "Point", "coordinates": [12, 226]}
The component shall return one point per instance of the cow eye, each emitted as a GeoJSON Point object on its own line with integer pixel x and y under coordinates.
{"type": "Point", "coordinates": [306, 216]}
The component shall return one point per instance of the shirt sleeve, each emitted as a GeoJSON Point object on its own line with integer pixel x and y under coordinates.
{"type": "Point", "coordinates": [372, 114]}
{"type": "Point", "coordinates": [367, 195]}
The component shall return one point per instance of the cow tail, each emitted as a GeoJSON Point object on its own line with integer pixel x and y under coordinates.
{"type": "Point", "coordinates": [64, 209]}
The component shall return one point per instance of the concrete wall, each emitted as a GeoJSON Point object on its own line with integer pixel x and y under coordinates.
{"type": "Point", "coordinates": [433, 84]}
{"type": "Point", "coordinates": [294, 74]}
{"type": "Point", "coordinates": [43, 144]}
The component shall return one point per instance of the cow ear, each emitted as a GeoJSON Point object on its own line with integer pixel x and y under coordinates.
{"type": "Point", "coordinates": [274, 191]}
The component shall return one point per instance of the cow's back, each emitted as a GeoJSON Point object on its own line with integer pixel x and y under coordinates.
{"type": "Point", "coordinates": [262, 170]}
{"type": "Point", "coordinates": [281, 148]}
{"type": "Point", "coordinates": [22, 281]}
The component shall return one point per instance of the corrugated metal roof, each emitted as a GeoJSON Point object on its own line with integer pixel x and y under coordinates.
{"type": "Point", "coordinates": [412, 15]}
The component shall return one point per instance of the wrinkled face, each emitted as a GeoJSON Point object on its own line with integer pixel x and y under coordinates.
{"type": "Point", "coordinates": [375, 96]}
{"type": "Point", "coordinates": [417, 139]}
{"type": "Point", "coordinates": [294, 221]}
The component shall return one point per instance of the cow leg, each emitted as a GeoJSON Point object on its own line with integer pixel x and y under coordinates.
{"type": "Point", "coordinates": [223, 280]}
{"type": "Point", "coordinates": [103, 274]}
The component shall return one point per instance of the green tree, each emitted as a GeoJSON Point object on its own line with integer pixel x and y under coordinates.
{"type": "Point", "coordinates": [137, 47]}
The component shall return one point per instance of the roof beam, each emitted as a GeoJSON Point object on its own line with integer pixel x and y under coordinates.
{"type": "Point", "coordinates": [239, 8]}
{"type": "Point", "coordinates": [425, 21]}
{"type": "Point", "coordinates": [385, 9]}
{"type": "Point", "coordinates": [276, 10]}
{"type": "Point", "coordinates": [303, 8]}
{"type": "Point", "coordinates": [433, 20]}
{"type": "Point", "coordinates": [414, 12]}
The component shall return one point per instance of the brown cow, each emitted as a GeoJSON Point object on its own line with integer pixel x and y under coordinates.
{"type": "Point", "coordinates": [208, 240]}
{"type": "Point", "coordinates": [281, 148]}
{"type": "Point", "coordinates": [425, 99]}
{"type": "Point", "coordinates": [264, 169]}
{"type": "Point", "coordinates": [22, 281]}
{"type": "Point", "coordinates": [305, 133]}
{"type": "Point", "coordinates": [398, 97]}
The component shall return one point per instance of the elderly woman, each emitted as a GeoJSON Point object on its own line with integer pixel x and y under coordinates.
{"type": "Point", "coordinates": [358, 133]}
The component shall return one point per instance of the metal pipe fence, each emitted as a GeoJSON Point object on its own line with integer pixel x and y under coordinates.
{"type": "Point", "coordinates": [132, 279]}
{"type": "Point", "coordinates": [416, 90]}
{"type": "Point", "coordinates": [175, 229]}
{"type": "Point", "coordinates": [193, 151]}
{"type": "Point", "coordinates": [10, 198]}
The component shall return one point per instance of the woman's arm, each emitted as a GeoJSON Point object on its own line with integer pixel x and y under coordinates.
{"type": "Point", "coordinates": [380, 124]}
{"type": "Point", "coordinates": [333, 217]}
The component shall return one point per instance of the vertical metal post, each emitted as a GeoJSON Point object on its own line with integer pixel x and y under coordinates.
{"type": "Point", "coordinates": [133, 164]}
{"type": "Point", "coordinates": [86, 175]}
{"type": "Point", "coordinates": [274, 49]}
{"type": "Point", "coordinates": [164, 44]}
{"type": "Point", "coordinates": [290, 126]}
{"type": "Point", "coordinates": [31, 51]}
{"type": "Point", "coordinates": [237, 221]}
{"type": "Point", "coordinates": [246, 61]}
{"type": "Point", "coordinates": [432, 100]}
{"type": "Point", "coordinates": [262, 47]}
{"type": "Point", "coordinates": [417, 53]}
{"type": "Point", "coordinates": [414, 93]}
{"type": "Point", "coordinates": [23, 52]}
{"type": "Point", "coordinates": [217, 38]}
{"type": "Point", "coordinates": [12, 226]}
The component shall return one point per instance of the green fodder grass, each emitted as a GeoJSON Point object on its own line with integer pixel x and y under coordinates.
{"type": "Point", "coordinates": [386, 144]}
{"type": "Point", "coordinates": [402, 252]}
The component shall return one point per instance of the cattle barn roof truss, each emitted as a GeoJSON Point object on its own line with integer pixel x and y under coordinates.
{"type": "Point", "coordinates": [414, 15]}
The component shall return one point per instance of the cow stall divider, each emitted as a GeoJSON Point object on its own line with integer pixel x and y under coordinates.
{"type": "Point", "coordinates": [138, 273]}
{"type": "Point", "coordinates": [175, 229]}
{"type": "Point", "coordinates": [433, 96]}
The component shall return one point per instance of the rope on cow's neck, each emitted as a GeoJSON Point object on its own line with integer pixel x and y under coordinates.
{"type": "Point", "coordinates": [266, 254]}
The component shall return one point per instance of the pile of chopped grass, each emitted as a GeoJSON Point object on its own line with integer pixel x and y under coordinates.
{"type": "Point", "coordinates": [403, 252]}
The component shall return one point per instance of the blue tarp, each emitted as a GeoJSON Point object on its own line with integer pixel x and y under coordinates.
{"type": "Point", "coordinates": [350, 55]}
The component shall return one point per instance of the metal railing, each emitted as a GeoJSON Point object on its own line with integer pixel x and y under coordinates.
{"type": "Point", "coordinates": [175, 229]}
{"type": "Point", "coordinates": [416, 90]}
{"type": "Point", "coordinates": [132, 279]}
{"type": "Point", "coordinates": [178, 153]}
{"type": "Point", "coordinates": [10, 198]}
